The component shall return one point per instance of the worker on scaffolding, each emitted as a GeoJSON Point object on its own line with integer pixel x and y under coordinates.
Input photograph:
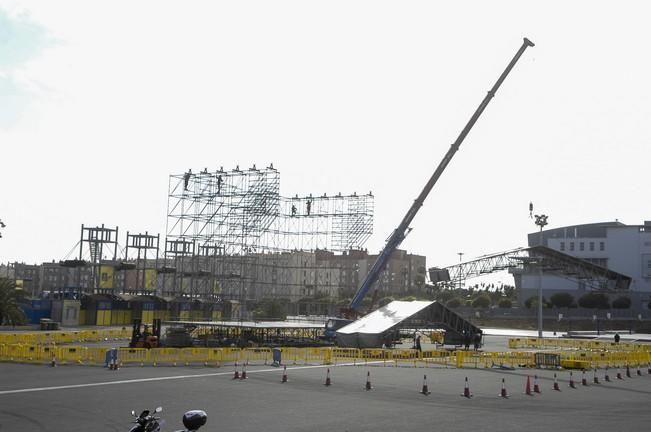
{"type": "Point", "coordinates": [219, 184]}
{"type": "Point", "coordinates": [308, 206]}
{"type": "Point", "coordinates": [186, 179]}
{"type": "Point", "coordinates": [293, 210]}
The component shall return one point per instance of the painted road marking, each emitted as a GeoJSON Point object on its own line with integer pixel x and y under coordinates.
{"type": "Point", "coordinates": [165, 378]}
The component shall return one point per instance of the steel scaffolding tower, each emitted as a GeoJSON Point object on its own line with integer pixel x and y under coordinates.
{"type": "Point", "coordinates": [229, 208]}
{"type": "Point", "coordinates": [247, 228]}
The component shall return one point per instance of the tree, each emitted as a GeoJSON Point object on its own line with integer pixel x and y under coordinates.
{"type": "Point", "coordinates": [454, 303]}
{"type": "Point", "coordinates": [271, 308]}
{"type": "Point", "coordinates": [562, 300]}
{"type": "Point", "coordinates": [444, 296]}
{"type": "Point", "coordinates": [385, 301]}
{"type": "Point", "coordinates": [505, 303]}
{"type": "Point", "coordinates": [481, 302]}
{"type": "Point", "coordinates": [594, 301]}
{"type": "Point", "coordinates": [10, 311]}
{"type": "Point", "coordinates": [532, 303]}
{"type": "Point", "coordinates": [622, 303]}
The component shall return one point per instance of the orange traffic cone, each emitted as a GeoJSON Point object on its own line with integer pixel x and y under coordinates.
{"type": "Point", "coordinates": [556, 387]}
{"type": "Point", "coordinates": [328, 382]}
{"type": "Point", "coordinates": [425, 390]}
{"type": "Point", "coordinates": [572, 381]}
{"type": "Point", "coordinates": [368, 381]}
{"type": "Point", "coordinates": [284, 378]}
{"type": "Point", "coordinates": [595, 378]}
{"type": "Point", "coordinates": [527, 389]}
{"type": "Point", "coordinates": [503, 393]}
{"type": "Point", "coordinates": [584, 381]}
{"type": "Point", "coordinates": [628, 371]}
{"type": "Point", "coordinates": [607, 376]}
{"type": "Point", "coordinates": [466, 390]}
{"type": "Point", "coordinates": [536, 387]}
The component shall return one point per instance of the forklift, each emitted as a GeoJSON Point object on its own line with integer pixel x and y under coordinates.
{"type": "Point", "coordinates": [144, 337]}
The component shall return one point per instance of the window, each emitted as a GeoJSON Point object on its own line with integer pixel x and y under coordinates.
{"type": "Point", "coordinates": [571, 246]}
{"type": "Point", "coordinates": [602, 246]}
{"type": "Point", "coordinates": [562, 246]}
{"type": "Point", "coordinates": [581, 246]}
{"type": "Point", "coordinates": [591, 246]}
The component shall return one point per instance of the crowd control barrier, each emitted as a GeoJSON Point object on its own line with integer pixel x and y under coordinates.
{"type": "Point", "coordinates": [64, 337]}
{"type": "Point", "coordinates": [216, 357]}
{"type": "Point", "coordinates": [575, 344]}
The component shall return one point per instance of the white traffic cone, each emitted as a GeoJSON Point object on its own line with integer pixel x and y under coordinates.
{"type": "Point", "coordinates": [284, 377]}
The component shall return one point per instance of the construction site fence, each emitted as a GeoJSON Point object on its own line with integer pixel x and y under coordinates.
{"type": "Point", "coordinates": [564, 359]}
{"type": "Point", "coordinates": [217, 357]}
{"type": "Point", "coordinates": [74, 354]}
{"type": "Point", "coordinates": [64, 337]}
{"type": "Point", "coordinates": [575, 344]}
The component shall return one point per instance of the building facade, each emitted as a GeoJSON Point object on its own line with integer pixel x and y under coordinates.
{"type": "Point", "coordinates": [292, 276]}
{"type": "Point", "coordinates": [625, 249]}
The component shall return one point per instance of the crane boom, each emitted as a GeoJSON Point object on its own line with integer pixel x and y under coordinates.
{"type": "Point", "coordinates": [401, 232]}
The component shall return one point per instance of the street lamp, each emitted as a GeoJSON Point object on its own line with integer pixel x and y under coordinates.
{"type": "Point", "coordinates": [541, 221]}
{"type": "Point", "coordinates": [460, 276]}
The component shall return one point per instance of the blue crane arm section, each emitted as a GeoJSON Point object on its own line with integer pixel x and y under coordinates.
{"type": "Point", "coordinates": [401, 232]}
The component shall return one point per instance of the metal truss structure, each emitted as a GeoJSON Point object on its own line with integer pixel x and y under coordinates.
{"type": "Point", "coordinates": [145, 266]}
{"type": "Point", "coordinates": [99, 240]}
{"type": "Point", "coordinates": [229, 232]}
{"type": "Point", "coordinates": [528, 260]}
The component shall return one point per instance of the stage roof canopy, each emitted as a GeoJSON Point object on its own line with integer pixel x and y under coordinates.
{"type": "Point", "coordinates": [385, 318]}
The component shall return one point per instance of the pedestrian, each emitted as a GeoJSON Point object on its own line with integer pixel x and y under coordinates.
{"type": "Point", "coordinates": [418, 347]}
{"type": "Point", "coordinates": [616, 338]}
{"type": "Point", "coordinates": [477, 341]}
{"type": "Point", "coordinates": [466, 339]}
{"type": "Point", "coordinates": [186, 179]}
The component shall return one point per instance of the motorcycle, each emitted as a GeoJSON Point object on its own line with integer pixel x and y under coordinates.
{"type": "Point", "coordinates": [145, 422]}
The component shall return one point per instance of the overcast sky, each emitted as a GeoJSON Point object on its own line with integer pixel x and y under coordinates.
{"type": "Point", "coordinates": [101, 101]}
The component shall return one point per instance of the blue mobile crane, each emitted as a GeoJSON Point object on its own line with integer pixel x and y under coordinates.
{"type": "Point", "coordinates": [399, 234]}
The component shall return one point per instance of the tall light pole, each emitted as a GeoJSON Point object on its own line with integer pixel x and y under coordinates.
{"type": "Point", "coordinates": [541, 221]}
{"type": "Point", "coordinates": [460, 277]}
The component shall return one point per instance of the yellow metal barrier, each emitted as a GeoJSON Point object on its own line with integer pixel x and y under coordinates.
{"type": "Point", "coordinates": [64, 337]}
{"type": "Point", "coordinates": [78, 354]}
{"type": "Point", "coordinates": [478, 359]}
{"type": "Point", "coordinates": [575, 344]}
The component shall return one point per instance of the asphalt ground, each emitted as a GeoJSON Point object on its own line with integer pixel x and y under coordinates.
{"type": "Point", "coordinates": [77, 398]}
